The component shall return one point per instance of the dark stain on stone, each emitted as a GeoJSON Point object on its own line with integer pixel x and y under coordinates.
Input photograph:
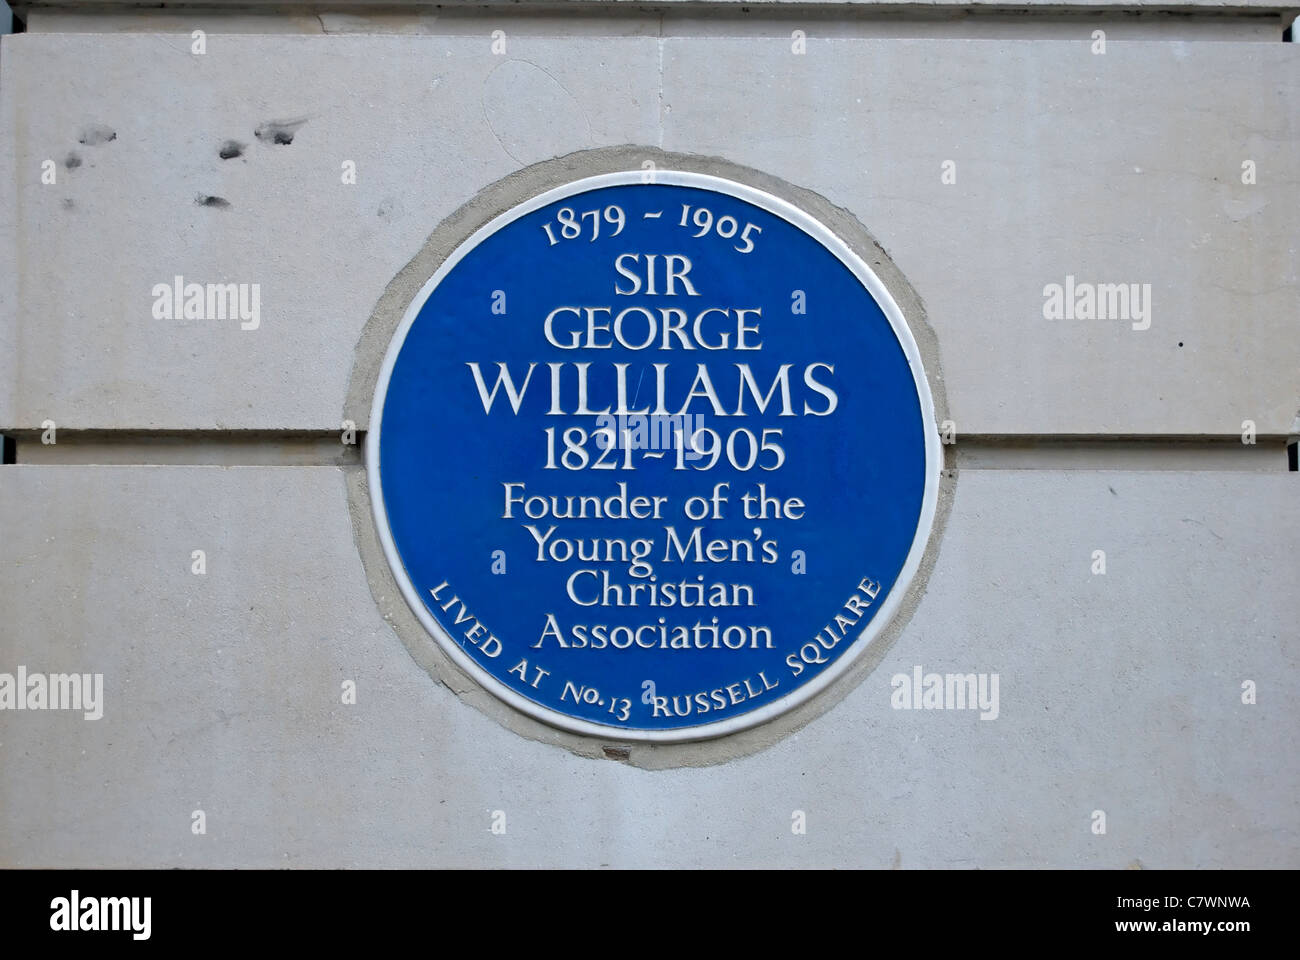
{"type": "Point", "coordinates": [97, 134]}
{"type": "Point", "coordinates": [67, 203]}
{"type": "Point", "coordinates": [618, 753]}
{"type": "Point", "coordinates": [278, 132]}
{"type": "Point", "coordinates": [231, 149]}
{"type": "Point", "coordinates": [72, 161]}
{"type": "Point", "coordinates": [221, 203]}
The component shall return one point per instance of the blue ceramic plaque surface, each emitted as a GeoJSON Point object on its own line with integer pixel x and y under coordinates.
{"type": "Point", "coordinates": [653, 460]}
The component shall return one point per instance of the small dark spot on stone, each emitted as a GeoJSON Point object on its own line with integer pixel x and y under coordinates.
{"type": "Point", "coordinates": [231, 149]}
{"type": "Point", "coordinates": [390, 208]}
{"type": "Point", "coordinates": [94, 136]}
{"type": "Point", "coordinates": [221, 203]}
{"type": "Point", "coordinates": [278, 132]}
{"type": "Point", "coordinates": [67, 203]}
{"type": "Point", "coordinates": [618, 753]}
{"type": "Point", "coordinates": [1180, 343]}
{"type": "Point", "coordinates": [1112, 490]}
{"type": "Point", "coordinates": [72, 161]}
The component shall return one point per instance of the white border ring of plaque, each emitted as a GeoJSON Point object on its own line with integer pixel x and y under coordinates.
{"type": "Point", "coordinates": [933, 459]}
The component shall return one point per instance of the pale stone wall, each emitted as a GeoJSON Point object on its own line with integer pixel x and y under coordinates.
{"type": "Point", "coordinates": [1120, 692]}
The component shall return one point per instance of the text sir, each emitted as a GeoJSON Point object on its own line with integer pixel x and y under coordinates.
{"type": "Point", "coordinates": [603, 328]}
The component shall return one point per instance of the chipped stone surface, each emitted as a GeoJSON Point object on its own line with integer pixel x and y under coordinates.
{"type": "Point", "coordinates": [429, 121]}
{"type": "Point", "coordinates": [1119, 692]}
{"type": "Point", "coordinates": [423, 120]}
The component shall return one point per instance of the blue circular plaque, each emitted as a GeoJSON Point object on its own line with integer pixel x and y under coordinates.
{"type": "Point", "coordinates": [653, 460]}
